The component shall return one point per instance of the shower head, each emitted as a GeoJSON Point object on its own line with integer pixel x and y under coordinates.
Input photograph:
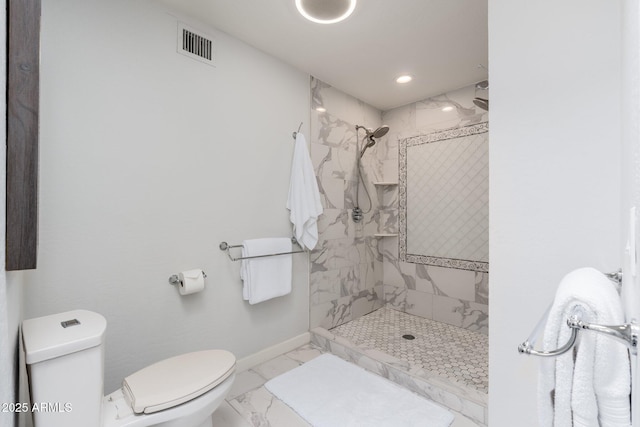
{"type": "Point", "coordinates": [378, 133]}
{"type": "Point", "coordinates": [483, 85]}
{"type": "Point", "coordinates": [482, 103]}
{"type": "Point", "coordinates": [371, 135]}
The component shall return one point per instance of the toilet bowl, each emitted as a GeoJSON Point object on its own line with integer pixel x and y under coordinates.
{"type": "Point", "coordinates": [65, 361]}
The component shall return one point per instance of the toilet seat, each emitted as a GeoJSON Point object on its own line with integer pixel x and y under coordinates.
{"type": "Point", "coordinates": [176, 380]}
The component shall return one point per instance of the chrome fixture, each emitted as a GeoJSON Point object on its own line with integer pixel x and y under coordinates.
{"type": "Point", "coordinates": [295, 134]}
{"type": "Point", "coordinates": [482, 102]}
{"type": "Point", "coordinates": [483, 85]}
{"type": "Point", "coordinates": [224, 246]}
{"type": "Point", "coordinates": [627, 333]}
{"type": "Point", "coordinates": [175, 279]}
{"type": "Point", "coordinates": [369, 140]}
{"type": "Point", "coordinates": [371, 135]}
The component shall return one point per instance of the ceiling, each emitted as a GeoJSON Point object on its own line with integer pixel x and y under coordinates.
{"type": "Point", "coordinates": [442, 43]}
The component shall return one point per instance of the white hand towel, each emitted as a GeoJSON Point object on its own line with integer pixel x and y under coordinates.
{"type": "Point", "coordinates": [304, 201]}
{"type": "Point", "coordinates": [588, 386]}
{"type": "Point", "coordinates": [267, 277]}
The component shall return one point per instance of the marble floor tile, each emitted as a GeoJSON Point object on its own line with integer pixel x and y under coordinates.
{"type": "Point", "coordinates": [462, 421]}
{"type": "Point", "coordinates": [262, 409]}
{"type": "Point", "coordinates": [275, 367]}
{"type": "Point", "coordinates": [226, 416]}
{"type": "Point", "coordinates": [244, 382]}
{"type": "Point", "coordinates": [304, 354]}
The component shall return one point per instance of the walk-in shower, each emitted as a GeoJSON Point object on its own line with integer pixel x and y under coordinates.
{"type": "Point", "coordinates": [369, 140]}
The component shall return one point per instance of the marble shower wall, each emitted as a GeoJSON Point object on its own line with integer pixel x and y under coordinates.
{"type": "Point", "coordinates": [456, 297]}
{"type": "Point", "coordinates": [346, 266]}
{"type": "Point", "coordinates": [353, 272]}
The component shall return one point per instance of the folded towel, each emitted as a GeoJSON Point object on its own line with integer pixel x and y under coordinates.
{"type": "Point", "coordinates": [304, 197]}
{"type": "Point", "coordinates": [267, 277]}
{"type": "Point", "coordinates": [589, 385]}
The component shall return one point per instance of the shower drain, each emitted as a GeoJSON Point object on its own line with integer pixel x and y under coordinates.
{"type": "Point", "coordinates": [409, 337]}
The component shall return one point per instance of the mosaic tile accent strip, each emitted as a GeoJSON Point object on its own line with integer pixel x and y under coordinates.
{"type": "Point", "coordinates": [457, 355]}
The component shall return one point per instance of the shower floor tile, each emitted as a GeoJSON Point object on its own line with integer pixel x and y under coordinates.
{"type": "Point", "coordinates": [457, 355]}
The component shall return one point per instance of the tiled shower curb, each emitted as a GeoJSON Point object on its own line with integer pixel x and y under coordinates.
{"type": "Point", "coordinates": [469, 402]}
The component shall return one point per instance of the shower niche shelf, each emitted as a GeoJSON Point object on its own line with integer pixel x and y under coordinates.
{"type": "Point", "coordinates": [384, 184]}
{"type": "Point", "coordinates": [385, 235]}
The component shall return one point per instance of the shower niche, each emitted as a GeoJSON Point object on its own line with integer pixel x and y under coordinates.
{"type": "Point", "coordinates": [443, 215]}
{"type": "Point", "coordinates": [388, 212]}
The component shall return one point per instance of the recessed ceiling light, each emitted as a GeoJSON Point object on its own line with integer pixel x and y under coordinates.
{"type": "Point", "coordinates": [326, 12]}
{"type": "Point", "coordinates": [447, 108]}
{"type": "Point", "coordinates": [404, 79]}
{"type": "Point", "coordinates": [321, 109]}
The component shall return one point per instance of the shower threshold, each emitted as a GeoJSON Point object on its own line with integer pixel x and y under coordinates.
{"type": "Point", "coordinates": [443, 363]}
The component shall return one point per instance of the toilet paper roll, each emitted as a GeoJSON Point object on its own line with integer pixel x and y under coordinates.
{"type": "Point", "coordinates": [191, 281]}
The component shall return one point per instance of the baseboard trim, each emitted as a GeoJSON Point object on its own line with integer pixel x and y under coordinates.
{"type": "Point", "coordinates": [271, 352]}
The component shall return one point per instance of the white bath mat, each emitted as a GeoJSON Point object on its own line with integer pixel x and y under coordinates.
{"type": "Point", "coordinates": [329, 392]}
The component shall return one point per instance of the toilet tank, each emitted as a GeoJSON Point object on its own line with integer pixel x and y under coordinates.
{"type": "Point", "coordinates": [65, 362]}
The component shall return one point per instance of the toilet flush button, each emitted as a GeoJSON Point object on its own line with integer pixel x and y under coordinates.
{"type": "Point", "coordinates": [67, 323]}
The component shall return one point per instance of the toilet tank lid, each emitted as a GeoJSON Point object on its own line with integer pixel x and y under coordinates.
{"type": "Point", "coordinates": [176, 380]}
{"type": "Point", "coordinates": [60, 334]}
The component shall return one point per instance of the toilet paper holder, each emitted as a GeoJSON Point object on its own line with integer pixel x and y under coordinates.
{"type": "Point", "coordinates": [175, 280]}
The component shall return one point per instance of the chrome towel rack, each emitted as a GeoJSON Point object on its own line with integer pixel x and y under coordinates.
{"type": "Point", "coordinates": [224, 246]}
{"type": "Point", "coordinates": [627, 333]}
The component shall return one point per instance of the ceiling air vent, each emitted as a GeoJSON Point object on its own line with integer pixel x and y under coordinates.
{"type": "Point", "coordinates": [195, 45]}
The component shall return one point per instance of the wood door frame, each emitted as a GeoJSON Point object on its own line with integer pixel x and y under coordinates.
{"type": "Point", "coordinates": [23, 75]}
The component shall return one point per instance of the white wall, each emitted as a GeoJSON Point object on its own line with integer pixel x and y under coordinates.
{"type": "Point", "coordinates": [148, 161]}
{"type": "Point", "coordinates": [555, 179]}
{"type": "Point", "coordinates": [631, 170]}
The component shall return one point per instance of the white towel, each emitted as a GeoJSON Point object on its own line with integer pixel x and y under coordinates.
{"type": "Point", "coordinates": [304, 197]}
{"type": "Point", "coordinates": [267, 277]}
{"type": "Point", "coordinates": [588, 386]}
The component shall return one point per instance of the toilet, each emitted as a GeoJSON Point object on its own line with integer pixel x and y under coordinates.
{"type": "Point", "coordinates": [65, 364]}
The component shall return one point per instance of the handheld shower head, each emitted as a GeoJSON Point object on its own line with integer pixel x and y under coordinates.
{"type": "Point", "coordinates": [482, 103]}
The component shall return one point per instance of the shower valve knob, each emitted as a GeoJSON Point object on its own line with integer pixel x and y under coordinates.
{"type": "Point", "coordinates": [357, 215]}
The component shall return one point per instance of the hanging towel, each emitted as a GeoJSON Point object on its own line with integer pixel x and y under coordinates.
{"type": "Point", "coordinates": [304, 197]}
{"type": "Point", "coordinates": [267, 277]}
{"type": "Point", "coordinates": [588, 386]}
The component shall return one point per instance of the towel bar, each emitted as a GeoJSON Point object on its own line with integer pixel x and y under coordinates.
{"type": "Point", "coordinates": [224, 246]}
{"type": "Point", "coordinates": [627, 333]}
